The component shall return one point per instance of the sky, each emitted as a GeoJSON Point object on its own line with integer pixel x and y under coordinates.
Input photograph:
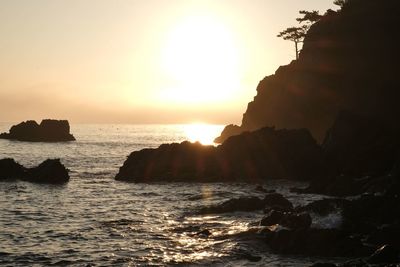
{"type": "Point", "coordinates": [140, 61]}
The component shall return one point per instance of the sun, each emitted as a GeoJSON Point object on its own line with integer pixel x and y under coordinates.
{"type": "Point", "coordinates": [202, 132]}
{"type": "Point", "coordinates": [202, 60]}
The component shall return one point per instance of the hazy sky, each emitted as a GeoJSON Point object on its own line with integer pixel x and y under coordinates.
{"type": "Point", "coordinates": [140, 61]}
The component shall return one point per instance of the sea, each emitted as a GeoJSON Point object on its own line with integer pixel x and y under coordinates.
{"type": "Point", "coordinates": [96, 221]}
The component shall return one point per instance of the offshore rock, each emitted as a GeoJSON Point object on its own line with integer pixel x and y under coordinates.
{"type": "Point", "coordinates": [51, 171]}
{"type": "Point", "coordinates": [11, 170]}
{"type": "Point", "coordinates": [46, 131]}
{"type": "Point", "coordinates": [250, 157]}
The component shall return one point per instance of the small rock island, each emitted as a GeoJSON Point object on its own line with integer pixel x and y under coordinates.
{"type": "Point", "coordinates": [50, 171]}
{"type": "Point", "coordinates": [47, 131]}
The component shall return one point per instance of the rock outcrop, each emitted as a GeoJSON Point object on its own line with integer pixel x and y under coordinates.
{"type": "Point", "coordinates": [250, 157]}
{"type": "Point", "coordinates": [348, 62]}
{"type": "Point", "coordinates": [363, 157]}
{"type": "Point", "coordinates": [46, 131]}
{"type": "Point", "coordinates": [50, 171]}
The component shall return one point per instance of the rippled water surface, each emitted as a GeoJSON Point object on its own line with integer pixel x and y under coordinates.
{"type": "Point", "coordinates": [96, 221]}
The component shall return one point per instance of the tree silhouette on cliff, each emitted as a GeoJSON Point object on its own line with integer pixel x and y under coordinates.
{"type": "Point", "coordinates": [297, 34]}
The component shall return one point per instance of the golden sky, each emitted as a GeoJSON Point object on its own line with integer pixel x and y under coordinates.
{"type": "Point", "coordinates": [140, 61]}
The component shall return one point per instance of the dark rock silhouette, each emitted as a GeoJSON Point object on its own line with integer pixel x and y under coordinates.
{"type": "Point", "coordinates": [361, 146]}
{"type": "Point", "coordinates": [274, 200]}
{"type": "Point", "coordinates": [229, 130]}
{"type": "Point", "coordinates": [316, 242]}
{"type": "Point", "coordinates": [9, 169]}
{"type": "Point", "coordinates": [46, 131]}
{"type": "Point", "coordinates": [348, 62]}
{"type": "Point", "coordinates": [290, 220]}
{"type": "Point", "coordinates": [50, 171]}
{"type": "Point", "coordinates": [251, 157]}
{"type": "Point", "coordinates": [363, 157]}
{"type": "Point", "coordinates": [236, 204]}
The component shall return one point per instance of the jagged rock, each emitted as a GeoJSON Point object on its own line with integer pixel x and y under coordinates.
{"type": "Point", "coordinates": [46, 131]}
{"type": "Point", "coordinates": [50, 171]}
{"type": "Point", "coordinates": [287, 219]}
{"type": "Point", "coordinates": [251, 157]}
{"type": "Point", "coordinates": [346, 63]}
{"type": "Point", "coordinates": [10, 170]}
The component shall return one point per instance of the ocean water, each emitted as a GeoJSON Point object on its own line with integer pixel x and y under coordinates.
{"type": "Point", "coordinates": [97, 221]}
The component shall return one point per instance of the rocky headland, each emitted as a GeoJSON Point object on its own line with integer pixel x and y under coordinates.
{"type": "Point", "coordinates": [336, 115]}
{"type": "Point", "coordinates": [46, 131]}
{"type": "Point", "coordinates": [348, 62]}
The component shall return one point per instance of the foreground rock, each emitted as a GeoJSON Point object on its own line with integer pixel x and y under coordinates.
{"type": "Point", "coordinates": [316, 242]}
{"type": "Point", "coordinates": [363, 155]}
{"type": "Point", "coordinates": [46, 131]}
{"type": "Point", "coordinates": [250, 157]}
{"type": "Point", "coordinates": [50, 171]}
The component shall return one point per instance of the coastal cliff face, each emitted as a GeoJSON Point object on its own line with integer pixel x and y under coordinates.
{"type": "Point", "coordinates": [348, 62]}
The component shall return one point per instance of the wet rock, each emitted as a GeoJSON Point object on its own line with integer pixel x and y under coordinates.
{"type": "Point", "coordinates": [46, 131]}
{"type": "Point", "coordinates": [276, 201]}
{"type": "Point", "coordinates": [51, 171]}
{"type": "Point", "coordinates": [250, 157]}
{"type": "Point", "coordinates": [385, 254]}
{"type": "Point", "coordinates": [287, 219]}
{"type": "Point", "coordinates": [324, 207]}
{"type": "Point", "coordinates": [236, 204]}
{"type": "Point", "coordinates": [11, 170]}
{"type": "Point", "coordinates": [204, 233]}
{"type": "Point", "coordinates": [316, 242]}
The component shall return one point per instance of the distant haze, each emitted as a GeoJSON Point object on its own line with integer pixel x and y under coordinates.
{"type": "Point", "coordinates": [140, 61]}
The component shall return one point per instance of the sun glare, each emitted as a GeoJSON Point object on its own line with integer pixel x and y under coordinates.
{"type": "Point", "coordinates": [203, 133]}
{"type": "Point", "coordinates": [201, 59]}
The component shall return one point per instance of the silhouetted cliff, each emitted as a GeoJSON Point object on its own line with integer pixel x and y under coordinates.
{"type": "Point", "coordinates": [349, 62]}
